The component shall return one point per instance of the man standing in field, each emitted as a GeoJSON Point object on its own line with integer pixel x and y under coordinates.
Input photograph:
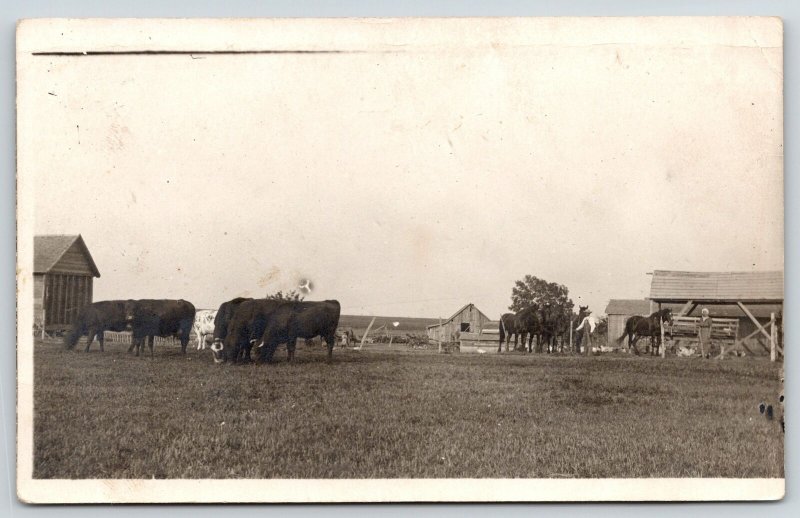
{"type": "Point", "coordinates": [704, 333]}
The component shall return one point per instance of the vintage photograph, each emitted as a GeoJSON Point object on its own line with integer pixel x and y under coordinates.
{"type": "Point", "coordinates": [498, 259]}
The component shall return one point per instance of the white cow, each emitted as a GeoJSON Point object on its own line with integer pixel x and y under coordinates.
{"type": "Point", "coordinates": [203, 325]}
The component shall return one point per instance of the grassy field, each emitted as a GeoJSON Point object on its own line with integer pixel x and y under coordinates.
{"type": "Point", "coordinates": [393, 413]}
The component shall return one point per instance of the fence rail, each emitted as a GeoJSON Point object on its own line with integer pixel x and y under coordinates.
{"type": "Point", "coordinates": [125, 337]}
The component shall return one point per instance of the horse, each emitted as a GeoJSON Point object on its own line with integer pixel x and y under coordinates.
{"type": "Point", "coordinates": [528, 324]}
{"type": "Point", "coordinates": [637, 327]}
{"type": "Point", "coordinates": [551, 326]}
{"type": "Point", "coordinates": [508, 327]}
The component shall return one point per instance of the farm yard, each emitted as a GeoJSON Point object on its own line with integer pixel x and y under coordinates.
{"type": "Point", "coordinates": [390, 412]}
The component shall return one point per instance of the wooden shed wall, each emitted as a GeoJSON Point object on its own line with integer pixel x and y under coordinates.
{"type": "Point", "coordinates": [38, 295]}
{"type": "Point", "coordinates": [63, 297]}
{"type": "Point", "coordinates": [616, 325]}
{"type": "Point", "coordinates": [73, 261]}
{"type": "Point", "coordinates": [447, 331]}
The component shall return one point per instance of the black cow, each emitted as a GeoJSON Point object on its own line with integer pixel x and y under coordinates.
{"type": "Point", "coordinates": [149, 318]}
{"type": "Point", "coordinates": [293, 320]}
{"type": "Point", "coordinates": [224, 317]}
{"type": "Point", "coordinates": [246, 324]}
{"type": "Point", "coordinates": [94, 319]}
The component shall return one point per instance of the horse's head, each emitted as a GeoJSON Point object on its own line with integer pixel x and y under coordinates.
{"type": "Point", "coordinates": [666, 315]}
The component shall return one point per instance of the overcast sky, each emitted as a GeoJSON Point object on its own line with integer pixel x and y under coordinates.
{"type": "Point", "coordinates": [408, 183]}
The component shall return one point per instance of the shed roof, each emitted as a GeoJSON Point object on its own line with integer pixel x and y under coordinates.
{"type": "Point", "coordinates": [454, 315]}
{"type": "Point", "coordinates": [49, 249]}
{"type": "Point", "coordinates": [729, 287]}
{"type": "Point", "coordinates": [628, 307]}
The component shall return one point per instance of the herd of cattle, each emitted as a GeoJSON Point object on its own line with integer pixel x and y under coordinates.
{"type": "Point", "coordinates": [235, 327]}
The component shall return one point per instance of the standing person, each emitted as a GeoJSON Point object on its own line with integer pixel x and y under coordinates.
{"type": "Point", "coordinates": [704, 333]}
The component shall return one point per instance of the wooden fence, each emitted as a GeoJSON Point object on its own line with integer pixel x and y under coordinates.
{"type": "Point", "coordinates": [125, 337]}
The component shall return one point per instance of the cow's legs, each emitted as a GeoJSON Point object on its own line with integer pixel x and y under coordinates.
{"type": "Point", "coordinates": [268, 351]}
{"type": "Point", "coordinates": [291, 345]}
{"type": "Point", "coordinates": [330, 341]}
{"type": "Point", "coordinates": [101, 338]}
{"type": "Point", "coordinates": [150, 340]}
{"type": "Point", "coordinates": [89, 339]}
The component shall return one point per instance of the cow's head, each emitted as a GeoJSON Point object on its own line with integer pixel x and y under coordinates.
{"type": "Point", "coordinates": [218, 350]}
{"type": "Point", "coordinates": [130, 311]}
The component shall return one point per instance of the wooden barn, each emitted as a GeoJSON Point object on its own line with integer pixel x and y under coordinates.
{"type": "Point", "coordinates": [753, 301]}
{"type": "Point", "coordinates": [63, 272]}
{"type": "Point", "coordinates": [468, 319]}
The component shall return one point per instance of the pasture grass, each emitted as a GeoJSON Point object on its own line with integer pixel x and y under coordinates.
{"type": "Point", "coordinates": [393, 413]}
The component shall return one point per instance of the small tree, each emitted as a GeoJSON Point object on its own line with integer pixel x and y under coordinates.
{"type": "Point", "coordinates": [532, 290]}
{"type": "Point", "coordinates": [291, 296]}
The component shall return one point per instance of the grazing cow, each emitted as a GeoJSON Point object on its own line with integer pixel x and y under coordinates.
{"type": "Point", "coordinates": [150, 318]}
{"type": "Point", "coordinates": [293, 320]}
{"type": "Point", "coordinates": [94, 319]}
{"type": "Point", "coordinates": [247, 322]}
{"type": "Point", "coordinates": [223, 318]}
{"type": "Point", "coordinates": [204, 325]}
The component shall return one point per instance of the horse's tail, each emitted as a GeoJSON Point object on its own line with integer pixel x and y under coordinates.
{"type": "Point", "coordinates": [624, 334]}
{"type": "Point", "coordinates": [502, 330]}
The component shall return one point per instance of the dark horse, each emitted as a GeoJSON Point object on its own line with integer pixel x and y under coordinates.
{"type": "Point", "coordinates": [637, 327]}
{"type": "Point", "coordinates": [528, 325]}
{"type": "Point", "coordinates": [508, 327]}
{"type": "Point", "coordinates": [525, 324]}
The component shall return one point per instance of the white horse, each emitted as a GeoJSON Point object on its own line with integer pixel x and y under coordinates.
{"type": "Point", "coordinates": [203, 325]}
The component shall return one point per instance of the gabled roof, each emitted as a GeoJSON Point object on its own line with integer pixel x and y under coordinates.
{"type": "Point", "coordinates": [628, 307]}
{"type": "Point", "coordinates": [465, 306]}
{"type": "Point", "coordinates": [49, 249]}
{"type": "Point", "coordinates": [717, 286]}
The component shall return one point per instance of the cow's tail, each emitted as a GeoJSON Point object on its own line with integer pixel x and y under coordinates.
{"type": "Point", "coordinates": [75, 333]}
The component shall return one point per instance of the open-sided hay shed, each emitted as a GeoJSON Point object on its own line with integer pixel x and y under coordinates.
{"type": "Point", "coordinates": [63, 273]}
{"type": "Point", "coordinates": [739, 292]}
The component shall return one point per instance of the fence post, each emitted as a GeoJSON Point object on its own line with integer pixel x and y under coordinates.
{"type": "Point", "coordinates": [773, 349]}
{"type": "Point", "coordinates": [663, 341]}
{"type": "Point", "coordinates": [364, 338]}
{"type": "Point", "coordinates": [571, 347]}
{"type": "Point", "coordinates": [439, 334]}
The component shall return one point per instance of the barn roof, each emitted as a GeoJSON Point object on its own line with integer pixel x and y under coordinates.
{"type": "Point", "coordinates": [49, 249]}
{"type": "Point", "coordinates": [454, 315]}
{"type": "Point", "coordinates": [672, 286]}
{"type": "Point", "coordinates": [628, 307]}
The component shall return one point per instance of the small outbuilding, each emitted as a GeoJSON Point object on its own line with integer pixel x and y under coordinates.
{"type": "Point", "coordinates": [63, 273]}
{"type": "Point", "coordinates": [468, 319]}
{"type": "Point", "coordinates": [618, 312]}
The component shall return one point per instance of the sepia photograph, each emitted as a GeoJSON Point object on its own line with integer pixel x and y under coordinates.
{"type": "Point", "coordinates": [400, 260]}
